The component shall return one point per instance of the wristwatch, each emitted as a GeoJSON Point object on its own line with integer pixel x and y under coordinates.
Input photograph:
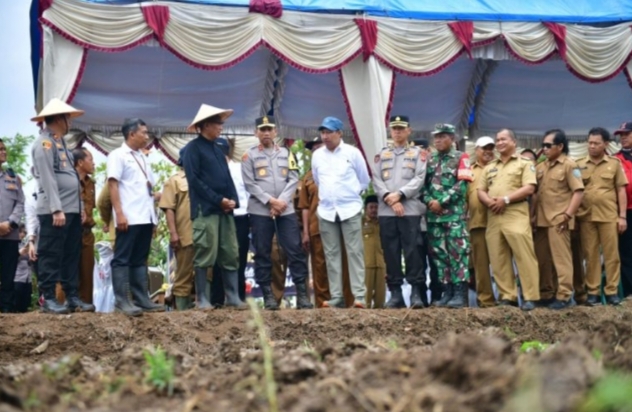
{"type": "Point", "coordinates": [13, 224]}
{"type": "Point", "coordinates": [506, 199]}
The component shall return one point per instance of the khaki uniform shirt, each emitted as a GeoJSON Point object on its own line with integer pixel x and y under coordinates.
{"type": "Point", "coordinates": [175, 196]}
{"type": "Point", "coordinates": [476, 210]}
{"type": "Point", "coordinates": [308, 199]}
{"type": "Point", "coordinates": [373, 254]}
{"type": "Point", "coordinates": [557, 181]}
{"type": "Point", "coordinates": [104, 206]}
{"type": "Point", "coordinates": [400, 169]}
{"type": "Point", "coordinates": [88, 196]}
{"type": "Point", "coordinates": [269, 173]}
{"type": "Point", "coordinates": [501, 179]}
{"type": "Point", "coordinates": [601, 181]}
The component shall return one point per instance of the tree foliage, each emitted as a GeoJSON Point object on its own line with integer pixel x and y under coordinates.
{"type": "Point", "coordinates": [17, 154]}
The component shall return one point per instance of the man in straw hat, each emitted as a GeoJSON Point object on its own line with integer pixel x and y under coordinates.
{"type": "Point", "coordinates": [213, 200]}
{"type": "Point", "coordinates": [59, 209]}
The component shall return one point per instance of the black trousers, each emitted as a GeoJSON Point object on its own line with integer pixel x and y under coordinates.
{"type": "Point", "coordinates": [402, 234]}
{"type": "Point", "coordinates": [58, 251]}
{"type": "Point", "coordinates": [132, 247]}
{"type": "Point", "coordinates": [242, 226]}
{"type": "Point", "coordinates": [436, 289]}
{"type": "Point", "coordinates": [289, 238]}
{"type": "Point", "coordinates": [23, 291]}
{"type": "Point", "coordinates": [9, 255]}
{"type": "Point", "coordinates": [625, 253]}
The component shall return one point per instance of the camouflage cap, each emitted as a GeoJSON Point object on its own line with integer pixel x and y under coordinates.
{"type": "Point", "coordinates": [443, 128]}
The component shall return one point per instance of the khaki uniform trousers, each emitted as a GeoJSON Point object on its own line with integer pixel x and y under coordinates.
{"type": "Point", "coordinates": [548, 274]}
{"type": "Point", "coordinates": [557, 278]}
{"type": "Point", "coordinates": [86, 271]}
{"type": "Point", "coordinates": [480, 264]}
{"type": "Point", "coordinates": [183, 282]}
{"type": "Point", "coordinates": [509, 235]}
{"type": "Point", "coordinates": [375, 280]}
{"type": "Point", "coordinates": [594, 235]}
{"type": "Point", "coordinates": [319, 273]}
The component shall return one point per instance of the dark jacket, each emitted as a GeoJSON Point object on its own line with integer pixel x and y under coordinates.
{"type": "Point", "coordinates": [208, 176]}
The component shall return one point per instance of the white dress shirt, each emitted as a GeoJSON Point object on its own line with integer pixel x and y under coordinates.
{"type": "Point", "coordinates": [132, 170]}
{"type": "Point", "coordinates": [30, 213]}
{"type": "Point", "coordinates": [341, 176]}
{"type": "Point", "coordinates": [235, 173]}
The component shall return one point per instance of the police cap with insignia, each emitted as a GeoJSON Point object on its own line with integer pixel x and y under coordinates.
{"type": "Point", "coordinates": [444, 128]}
{"type": "Point", "coordinates": [265, 121]}
{"type": "Point", "coordinates": [399, 121]}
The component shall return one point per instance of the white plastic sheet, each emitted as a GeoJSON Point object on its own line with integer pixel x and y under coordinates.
{"type": "Point", "coordinates": [102, 293]}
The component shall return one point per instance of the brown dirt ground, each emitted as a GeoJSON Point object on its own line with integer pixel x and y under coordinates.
{"type": "Point", "coordinates": [324, 360]}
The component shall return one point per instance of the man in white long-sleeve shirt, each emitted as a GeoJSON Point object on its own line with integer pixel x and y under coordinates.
{"type": "Point", "coordinates": [341, 174]}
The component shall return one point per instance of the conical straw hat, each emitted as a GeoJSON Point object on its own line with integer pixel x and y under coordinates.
{"type": "Point", "coordinates": [56, 106]}
{"type": "Point", "coordinates": [207, 111]}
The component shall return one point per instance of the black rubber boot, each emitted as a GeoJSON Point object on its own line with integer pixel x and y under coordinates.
{"type": "Point", "coordinates": [140, 293]}
{"type": "Point", "coordinates": [446, 296]}
{"type": "Point", "coordinates": [120, 284]}
{"type": "Point", "coordinates": [77, 305]}
{"type": "Point", "coordinates": [54, 307]}
{"type": "Point", "coordinates": [201, 296]}
{"type": "Point", "coordinates": [417, 298]}
{"type": "Point", "coordinates": [302, 297]}
{"type": "Point", "coordinates": [269, 302]}
{"type": "Point", "coordinates": [459, 297]}
{"type": "Point", "coordinates": [397, 299]}
{"type": "Point", "coordinates": [231, 290]}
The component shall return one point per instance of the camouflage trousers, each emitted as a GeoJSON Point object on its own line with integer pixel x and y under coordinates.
{"type": "Point", "coordinates": [450, 250]}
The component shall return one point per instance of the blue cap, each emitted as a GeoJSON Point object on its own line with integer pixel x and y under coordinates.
{"type": "Point", "coordinates": [223, 144]}
{"type": "Point", "coordinates": [331, 123]}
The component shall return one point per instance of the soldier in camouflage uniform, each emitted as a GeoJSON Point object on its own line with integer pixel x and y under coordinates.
{"type": "Point", "coordinates": [445, 192]}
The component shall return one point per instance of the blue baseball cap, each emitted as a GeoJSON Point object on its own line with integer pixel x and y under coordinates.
{"type": "Point", "coordinates": [331, 123]}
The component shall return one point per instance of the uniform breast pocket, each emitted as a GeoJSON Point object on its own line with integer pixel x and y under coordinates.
{"type": "Point", "coordinates": [585, 177]}
{"type": "Point", "coordinates": [282, 167]}
{"type": "Point", "coordinates": [261, 169]}
{"type": "Point", "coordinates": [560, 181]}
{"type": "Point", "coordinates": [408, 169]}
{"type": "Point", "coordinates": [387, 170]}
{"type": "Point", "coordinates": [516, 178]}
{"type": "Point", "coordinates": [491, 177]}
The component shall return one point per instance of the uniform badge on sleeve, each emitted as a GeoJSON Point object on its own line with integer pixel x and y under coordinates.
{"type": "Point", "coordinates": [244, 157]}
{"type": "Point", "coordinates": [423, 155]}
{"type": "Point", "coordinates": [577, 173]}
{"type": "Point", "coordinates": [47, 145]}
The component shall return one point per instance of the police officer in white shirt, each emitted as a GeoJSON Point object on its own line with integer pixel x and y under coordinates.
{"type": "Point", "coordinates": [341, 174]}
{"type": "Point", "coordinates": [131, 182]}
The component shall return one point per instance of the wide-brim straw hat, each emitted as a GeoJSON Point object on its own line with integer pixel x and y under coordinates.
{"type": "Point", "coordinates": [54, 107]}
{"type": "Point", "coordinates": [207, 111]}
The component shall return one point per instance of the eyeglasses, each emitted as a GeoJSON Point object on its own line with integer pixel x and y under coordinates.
{"type": "Point", "coordinates": [547, 145]}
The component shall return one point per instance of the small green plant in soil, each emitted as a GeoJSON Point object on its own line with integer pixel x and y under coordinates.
{"type": "Point", "coordinates": [533, 346]}
{"type": "Point", "coordinates": [610, 393]}
{"type": "Point", "coordinates": [159, 370]}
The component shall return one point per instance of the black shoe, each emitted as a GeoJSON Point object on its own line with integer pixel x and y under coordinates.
{"type": "Point", "coordinates": [507, 302]}
{"type": "Point", "coordinates": [448, 291]}
{"type": "Point", "coordinates": [561, 304]}
{"type": "Point", "coordinates": [593, 300]}
{"type": "Point", "coordinates": [417, 297]}
{"type": "Point", "coordinates": [397, 299]}
{"type": "Point", "coordinates": [528, 305]}
{"type": "Point", "coordinates": [54, 307]}
{"type": "Point", "coordinates": [269, 302]}
{"type": "Point", "coordinates": [302, 297]}
{"type": "Point", "coordinates": [77, 305]}
{"type": "Point", "coordinates": [459, 297]}
{"type": "Point", "coordinates": [544, 303]}
{"type": "Point", "coordinates": [613, 300]}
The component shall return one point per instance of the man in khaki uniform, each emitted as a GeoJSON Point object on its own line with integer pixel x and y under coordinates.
{"type": "Point", "coordinates": [560, 192]}
{"type": "Point", "coordinates": [374, 265]}
{"type": "Point", "coordinates": [478, 222]}
{"type": "Point", "coordinates": [308, 204]}
{"type": "Point", "coordinates": [604, 202]}
{"type": "Point", "coordinates": [176, 204]}
{"type": "Point", "coordinates": [506, 184]}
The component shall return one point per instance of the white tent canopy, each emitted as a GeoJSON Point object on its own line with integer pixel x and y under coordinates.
{"type": "Point", "coordinates": [159, 60]}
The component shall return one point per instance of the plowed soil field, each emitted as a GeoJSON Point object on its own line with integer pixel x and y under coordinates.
{"type": "Point", "coordinates": [323, 360]}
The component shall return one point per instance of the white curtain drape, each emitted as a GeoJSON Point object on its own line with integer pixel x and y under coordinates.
{"type": "Point", "coordinates": [367, 88]}
{"type": "Point", "coordinates": [61, 65]}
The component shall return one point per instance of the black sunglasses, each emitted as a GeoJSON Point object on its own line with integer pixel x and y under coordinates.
{"type": "Point", "coordinates": [547, 145]}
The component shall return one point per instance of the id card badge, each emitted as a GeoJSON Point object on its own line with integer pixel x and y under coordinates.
{"type": "Point", "coordinates": [150, 190]}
